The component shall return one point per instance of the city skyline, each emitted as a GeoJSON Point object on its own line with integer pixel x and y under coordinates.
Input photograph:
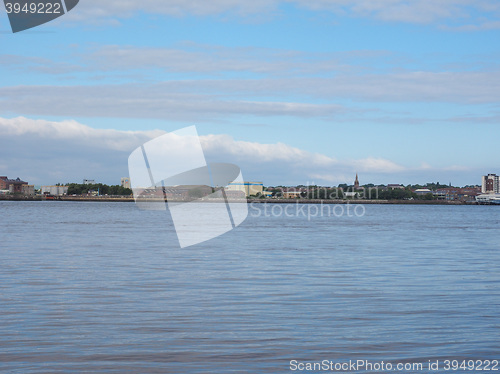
{"type": "Point", "coordinates": [125, 182]}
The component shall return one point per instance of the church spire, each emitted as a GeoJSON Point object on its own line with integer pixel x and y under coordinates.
{"type": "Point", "coordinates": [356, 182]}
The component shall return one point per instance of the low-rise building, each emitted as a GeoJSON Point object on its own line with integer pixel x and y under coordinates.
{"type": "Point", "coordinates": [175, 193]}
{"type": "Point", "coordinates": [488, 199]}
{"type": "Point", "coordinates": [457, 194]}
{"type": "Point", "coordinates": [422, 191]}
{"type": "Point", "coordinates": [395, 187]}
{"type": "Point", "coordinates": [54, 190]}
{"type": "Point", "coordinates": [28, 190]}
{"type": "Point", "coordinates": [351, 194]}
{"type": "Point", "coordinates": [235, 194]}
{"type": "Point", "coordinates": [179, 194]}
{"type": "Point", "coordinates": [293, 194]}
{"type": "Point", "coordinates": [249, 188]}
{"type": "Point", "coordinates": [14, 186]}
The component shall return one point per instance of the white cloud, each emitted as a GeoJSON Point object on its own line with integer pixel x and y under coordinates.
{"type": "Point", "coordinates": [457, 168]}
{"type": "Point", "coordinates": [125, 8]}
{"type": "Point", "coordinates": [379, 165]}
{"type": "Point", "coordinates": [215, 59]}
{"type": "Point", "coordinates": [206, 100]}
{"type": "Point", "coordinates": [425, 166]}
{"type": "Point", "coordinates": [73, 131]}
{"type": "Point", "coordinates": [334, 179]}
{"type": "Point", "coordinates": [71, 151]}
{"type": "Point", "coordinates": [290, 81]}
{"type": "Point", "coordinates": [226, 145]}
{"type": "Point", "coordinates": [474, 13]}
{"type": "Point", "coordinates": [112, 11]}
{"type": "Point", "coordinates": [170, 100]}
{"type": "Point", "coordinates": [413, 11]}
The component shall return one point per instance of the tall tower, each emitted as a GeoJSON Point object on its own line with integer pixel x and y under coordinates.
{"type": "Point", "coordinates": [491, 184]}
{"type": "Point", "coordinates": [356, 182]}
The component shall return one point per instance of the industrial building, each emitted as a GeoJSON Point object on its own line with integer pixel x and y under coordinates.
{"type": "Point", "coordinates": [249, 188]}
{"type": "Point", "coordinates": [15, 186]}
{"type": "Point", "coordinates": [175, 193]}
{"type": "Point", "coordinates": [54, 190]}
{"type": "Point", "coordinates": [28, 190]}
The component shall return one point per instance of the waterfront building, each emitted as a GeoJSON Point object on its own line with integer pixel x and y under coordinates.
{"type": "Point", "coordinates": [28, 189]}
{"type": "Point", "coordinates": [12, 185]}
{"type": "Point", "coordinates": [489, 198]}
{"type": "Point", "coordinates": [296, 192]}
{"type": "Point", "coordinates": [249, 188]}
{"type": "Point", "coordinates": [351, 194]}
{"type": "Point", "coordinates": [457, 194]}
{"type": "Point", "coordinates": [491, 184]}
{"type": "Point", "coordinates": [125, 182]}
{"type": "Point", "coordinates": [4, 184]}
{"type": "Point", "coordinates": [422, 191]}
{"type": "Point", "coordinates": [190, 191]}
{"type": "Point", "coordinates": [292, 194]}
{"type": "Point", "coordinates": [175, 193]}
{"type": "Point", "coordinates": [54, 190]}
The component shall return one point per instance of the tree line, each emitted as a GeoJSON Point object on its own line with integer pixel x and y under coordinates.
{"type": "Point", "coordinates": [102, 189]}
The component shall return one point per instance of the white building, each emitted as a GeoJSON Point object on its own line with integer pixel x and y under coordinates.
{"type": "Point", "coordinates": [422, 191]}
{"type": "Point", "coordinates": [490, 184]}
{"type": "Point", "coordinates": [488, 199]}
{"type": "Point", "coordinates": [54, 190]}
{"type": "Point", "coordinates": [125, 182]}
{"type": "Point", "coordinates": [248, 188]}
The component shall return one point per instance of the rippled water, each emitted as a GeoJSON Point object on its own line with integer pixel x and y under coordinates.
{"type": "Point", "coordinates": [104, 287]}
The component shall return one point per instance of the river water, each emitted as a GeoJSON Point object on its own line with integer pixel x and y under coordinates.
{"type": "Point", "coordinates": [105, 288]}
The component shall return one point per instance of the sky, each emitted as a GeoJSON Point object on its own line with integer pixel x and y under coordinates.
{"type": "Point", "coordinates": [294, 92]}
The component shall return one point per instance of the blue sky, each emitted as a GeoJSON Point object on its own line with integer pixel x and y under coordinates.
{"type": "Point", "coordinates": [293, 91]}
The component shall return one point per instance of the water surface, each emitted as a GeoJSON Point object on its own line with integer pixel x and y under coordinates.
{"type": "Point", "coordinates": [105, 288]}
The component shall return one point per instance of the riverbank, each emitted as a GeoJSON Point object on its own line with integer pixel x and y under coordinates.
{"type": "Point", "coordinates": [254, 201]}
{"type": "Point", "coordinates": [360, 201]}
{"type": "Point", "coordinates": [68, 198]}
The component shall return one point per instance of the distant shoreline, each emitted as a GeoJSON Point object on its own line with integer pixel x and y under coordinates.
{"type": "Point", "coordinates": [256, 201]}
{"type": "Point", "coordinates": [360, 201]}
